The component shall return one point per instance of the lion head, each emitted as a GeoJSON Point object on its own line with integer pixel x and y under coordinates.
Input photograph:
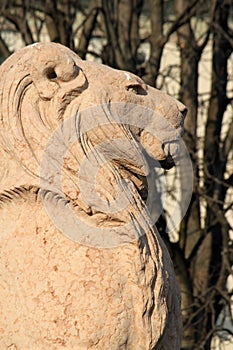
{"type": "Point", "coordinates": [119, 123]}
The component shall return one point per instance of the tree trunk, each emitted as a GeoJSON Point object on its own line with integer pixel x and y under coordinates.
{"type": "Point", "coordinates": [59, 19]}
{"type": "Point", "coordinates": [88, 28]}
{"type": "Point", "coordinates": [215, 165]}
{"type": "Point", "coordinates": [157, 42]}
{"type": "Point", "coordinates": [4, 50]}
{"type": "Point", "coordinates": [190, 230]}
{"type": "Point", "coordinates": [122, 36]}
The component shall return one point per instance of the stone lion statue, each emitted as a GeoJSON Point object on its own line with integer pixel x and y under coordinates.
{"type": "Point", "coordinates": [81, 265]}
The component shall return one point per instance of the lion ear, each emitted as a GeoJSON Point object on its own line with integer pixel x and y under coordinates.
{"type": "Point", "coordinates": [56, 70]}
{"type": "Point", "coordinates": [46, 89]}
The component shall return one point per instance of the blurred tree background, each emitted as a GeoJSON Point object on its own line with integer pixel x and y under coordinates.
{"type": "Point", "coordinates": [136, 35]}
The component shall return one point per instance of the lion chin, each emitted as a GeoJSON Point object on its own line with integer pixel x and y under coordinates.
{"type": "Point", "coordinates": [83, 266]}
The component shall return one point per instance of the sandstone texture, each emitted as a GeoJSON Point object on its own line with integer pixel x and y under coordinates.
{"type": "Point", "coordinates": [79, 268]}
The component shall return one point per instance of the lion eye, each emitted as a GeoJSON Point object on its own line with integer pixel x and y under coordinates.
{"type": "Point", "coordinates": [137, 89]}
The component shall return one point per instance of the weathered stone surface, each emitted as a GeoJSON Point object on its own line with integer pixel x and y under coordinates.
{"type": "Point", "coordinates": [82, 293]}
